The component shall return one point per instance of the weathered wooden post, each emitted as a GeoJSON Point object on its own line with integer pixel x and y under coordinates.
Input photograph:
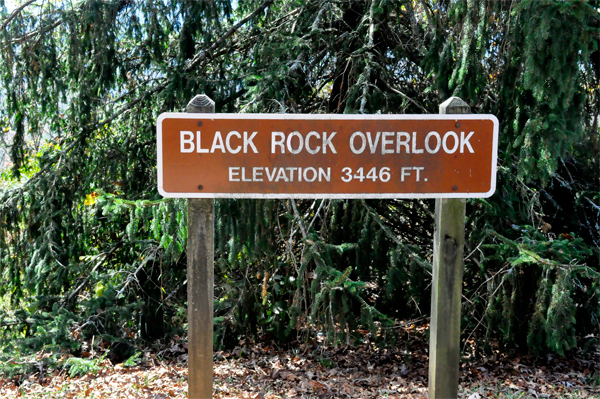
{"type": "Point", "coordinates": [200, 281]}
{"type": "Point", "coordinates": [446, 290]}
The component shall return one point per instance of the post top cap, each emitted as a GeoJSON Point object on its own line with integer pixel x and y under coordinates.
{"type": "Point", "coordinates": [454, 105]}
{"type": "Point", "coordinates": [201, 103]}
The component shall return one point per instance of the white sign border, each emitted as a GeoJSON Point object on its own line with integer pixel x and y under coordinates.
{"type": "Point", "coordinates": [213, 116]}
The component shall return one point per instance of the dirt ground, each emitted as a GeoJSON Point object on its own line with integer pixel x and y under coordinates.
{"type": "Point", "coordinates": [262, 371]}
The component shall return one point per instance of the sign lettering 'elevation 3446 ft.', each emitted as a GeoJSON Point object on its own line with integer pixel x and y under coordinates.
{"type": "Point", "coordinates": [326, 156]}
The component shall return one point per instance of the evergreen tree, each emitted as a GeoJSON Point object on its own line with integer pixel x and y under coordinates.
{"type": "Point", "coordinates": [89, 249]}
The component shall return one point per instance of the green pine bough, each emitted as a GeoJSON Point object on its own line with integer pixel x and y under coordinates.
{"type": "Point", "coordinates": [91, 255]}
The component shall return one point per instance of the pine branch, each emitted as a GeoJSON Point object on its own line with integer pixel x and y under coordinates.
{"type": "Point", "coordinates": [231, 98]}
{"type": "Point", "coordinates": [15, 13]}
{"type": "Point", "coordinates": [155, 89]}
{"type": "Point", "coordinates": [130, 203]}
{"type": "Point", "coordinates": [13, 323]}
{"type": "Point", "coordinates": [83, 284]}
{"type": "Point", "coordinates": [390, 235]}
{"type": "Point", "coordinates": [196, 60]}
{"type": "Point", "coordinates": [42, 31]}
{"type": "Point", "coordinates": [82, 137]}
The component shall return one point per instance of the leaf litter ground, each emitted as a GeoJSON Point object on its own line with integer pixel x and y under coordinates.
{"type": "Point", "coordinates": [263, 371]}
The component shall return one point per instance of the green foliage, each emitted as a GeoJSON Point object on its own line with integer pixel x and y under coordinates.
{"type": "Point", "coordinates": [302, 280]}
{"type": "Point", "coordinates": [16, 364]}
{"type": "Point", "coordinates": [133, 360]}
{"type": "Point", "coordinates": [89, 250]}
{"type": "Point", "coordinates": [78, 367]}
{"type": "Point", "coordinates": [547, 294]}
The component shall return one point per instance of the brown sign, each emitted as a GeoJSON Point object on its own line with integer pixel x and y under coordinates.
{"type": "Point", "coordinates": [326, 156]}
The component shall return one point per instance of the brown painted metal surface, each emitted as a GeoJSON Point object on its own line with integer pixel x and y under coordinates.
{"type": "Point", "coordinates": [369, 156]}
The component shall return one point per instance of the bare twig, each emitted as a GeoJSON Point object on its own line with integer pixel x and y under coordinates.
{"type": "Point", "coordinates": [133, 276]}
{"type": "Point", "coordinates": [316, 214]}
{"type": "Point", "coordinates": [404, 96]}
{"type": "Point", "coordinates": [300, 222]}
{"type": "Point", "coordinates": [472, 252]}
{"type": "Point", "coordinates": [407, 323]}
{"type": "Point", "coordinates": [482, 317]}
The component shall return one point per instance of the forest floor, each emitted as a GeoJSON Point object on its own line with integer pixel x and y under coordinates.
{"type": "Point", "coordinates": [263, 371]}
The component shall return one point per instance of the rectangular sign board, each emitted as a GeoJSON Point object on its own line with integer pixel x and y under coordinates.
{"type": "Point", "coordinates": [326, 156]}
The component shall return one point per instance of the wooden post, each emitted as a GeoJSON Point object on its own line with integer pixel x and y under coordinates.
{"type": "Point", "coordinates": [446, 289]}
{"type": "Point", "coordinates": [200, 281]}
